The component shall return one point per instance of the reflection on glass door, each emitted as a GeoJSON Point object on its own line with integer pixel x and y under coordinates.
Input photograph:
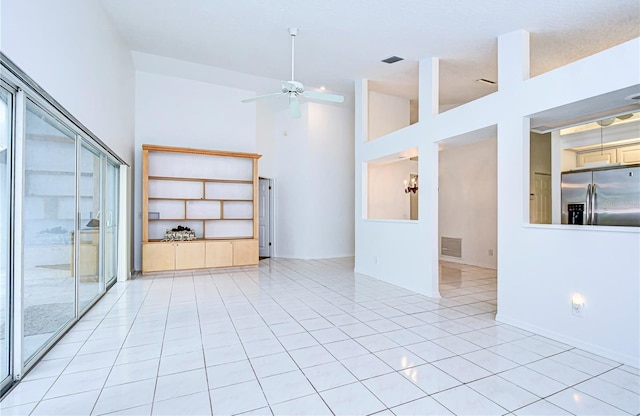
{"type": "Point", "coordinates": [5, 210]}
{"type": "Point", "coordinates": [49, 210]}
{"type": "Point", "coordinates": [111, 223]}
{"type": "Point", "coordinates": [91, 279]}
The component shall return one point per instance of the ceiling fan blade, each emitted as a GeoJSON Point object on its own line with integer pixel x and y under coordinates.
{"type": "Point", "coordinates": [294, 107]}
{"type": "Point", "coordinates": [260, 97]}
{"type": "Point", "coordinates": [324, 96]}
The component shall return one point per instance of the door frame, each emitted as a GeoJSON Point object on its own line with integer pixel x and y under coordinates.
{"type": "Point", "coordinates": [272, 215]}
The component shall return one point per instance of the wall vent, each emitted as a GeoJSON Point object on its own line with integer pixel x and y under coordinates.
{"type": "Point", "coordinates": [451, 247]}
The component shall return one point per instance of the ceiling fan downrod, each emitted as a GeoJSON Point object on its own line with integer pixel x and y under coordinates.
{"type": "Point", "coordinates": [293, 32]}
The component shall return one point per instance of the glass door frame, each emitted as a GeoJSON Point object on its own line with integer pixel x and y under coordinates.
{"type": "Point", "coordinates": [111, 280]}
{"type": "Point", "coordinates": [83, 142]}
{"type": "Point", "coordinates": [22, 364]}
{"type": "Point", "coordinates": [6, 382]}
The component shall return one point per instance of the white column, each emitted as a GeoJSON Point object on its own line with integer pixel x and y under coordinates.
{"type": "Point", "coordinates": [513, 59]}
{"type": "Point", "coordinates": [124, 224]}
{"type": "Point", "coordinates": [428, 88]}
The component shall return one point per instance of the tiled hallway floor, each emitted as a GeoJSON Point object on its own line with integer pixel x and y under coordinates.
{"type": "Point", "coordinates": [301, 337]}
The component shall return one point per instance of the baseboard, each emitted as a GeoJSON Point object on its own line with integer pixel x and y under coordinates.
{"type": "Point", "coordinates": [462, 261]}
{"type": "Point", "coordinates": [631, 360]}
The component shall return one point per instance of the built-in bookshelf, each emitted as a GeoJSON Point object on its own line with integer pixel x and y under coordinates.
{"type": "Point", "coordinates": [214, 193]}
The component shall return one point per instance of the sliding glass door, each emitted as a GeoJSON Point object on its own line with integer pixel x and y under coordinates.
{"type": "Point", "coordinates": [90, 232]}
{"type": "Point", "coordinates": [49, 222]}
{"type": "Point", "coordinates": [111, 223]}
{"type": "Point", "coordinates": [59, 205]}
{"type": "Point", "coordinates": [6, 104]}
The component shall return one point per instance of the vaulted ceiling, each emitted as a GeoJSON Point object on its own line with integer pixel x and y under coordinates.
{"type": "Point", "coordinates": [343, 40]}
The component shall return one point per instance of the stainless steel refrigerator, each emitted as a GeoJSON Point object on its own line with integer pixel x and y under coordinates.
{"type": "Point", "coordinates": [602, 196]}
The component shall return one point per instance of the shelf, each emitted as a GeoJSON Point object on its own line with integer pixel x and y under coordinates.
{"type": "Point", "coordinates": [197, 240]}
{"type": "Point", "coordinates": [214, 193]}
{"type": "Point", "coordinates": [177, 178]}
{"type": "Point", "coordinates": [198, 199]}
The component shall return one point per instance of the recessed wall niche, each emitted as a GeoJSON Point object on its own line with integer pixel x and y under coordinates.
{"type": "Point", "coordinates": [393, 188]}
{"type": "Point", "coordinates": [393, 105]}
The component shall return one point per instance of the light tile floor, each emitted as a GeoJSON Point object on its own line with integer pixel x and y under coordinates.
{"type": "Point", "coordinates": [296, 337]}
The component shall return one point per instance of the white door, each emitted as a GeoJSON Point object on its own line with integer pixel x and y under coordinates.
{"type": "Point", "coordinates": [540, 208]}
{"type": "Point", "coordinates": [264, 234]}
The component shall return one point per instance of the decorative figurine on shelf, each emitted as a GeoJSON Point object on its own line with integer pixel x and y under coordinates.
{"type": "Point", "coordinates": [179, 233]}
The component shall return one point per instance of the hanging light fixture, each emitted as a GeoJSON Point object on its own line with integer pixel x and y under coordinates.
{"type": "Point", "coordinates": [411, 185]}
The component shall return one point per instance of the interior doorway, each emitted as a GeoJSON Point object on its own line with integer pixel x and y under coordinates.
{"type": "Point", "coordinates": [265, 218]}
{"type": "Point", "coordinates": [467, 220]}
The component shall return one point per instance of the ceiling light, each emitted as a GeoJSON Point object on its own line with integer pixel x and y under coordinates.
{"type": "Point", "coordinates": [392, 59]}
{"type": "Point", "coordinates": [486, 81]}
{"type": "Point", "coordinates": [323, 88]}
{"type": "Point", "coordinates": [606, 122]}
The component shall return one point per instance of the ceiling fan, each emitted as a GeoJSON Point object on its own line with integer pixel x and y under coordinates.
{"type": "Point", "coordinates": [293, 89]}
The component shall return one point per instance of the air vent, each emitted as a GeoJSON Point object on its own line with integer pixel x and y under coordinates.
{"type": "Point", "coordinates": [486, 81]}
{"type": "Point", "coordinates": [392, 59]}
{"type": "Point", "coordinates": [451, 247]}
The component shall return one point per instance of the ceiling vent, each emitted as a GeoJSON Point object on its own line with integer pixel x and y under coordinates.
{"type": "Point", "coordinates": [392, 60]}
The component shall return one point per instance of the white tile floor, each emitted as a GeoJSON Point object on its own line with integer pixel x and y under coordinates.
{"type": "Point", "coordinates": [297, 337]}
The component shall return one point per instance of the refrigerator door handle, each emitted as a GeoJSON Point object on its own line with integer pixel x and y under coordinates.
{"type": "Point", "coordinates": [593, 205]}
{"type": "Point", "coordinates": [587, 215]}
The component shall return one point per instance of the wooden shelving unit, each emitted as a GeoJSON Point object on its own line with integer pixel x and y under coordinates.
{"type": "Point", "coordinates": [215, 193]}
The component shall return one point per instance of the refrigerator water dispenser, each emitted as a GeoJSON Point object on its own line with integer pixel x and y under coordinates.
{"type": "Point", "coordinates": [576, 213]}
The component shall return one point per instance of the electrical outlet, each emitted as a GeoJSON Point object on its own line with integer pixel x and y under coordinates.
{"type": "Point", "coordinates": [490, 252]}
{"type": "Point", "coordinates": [577, 306]}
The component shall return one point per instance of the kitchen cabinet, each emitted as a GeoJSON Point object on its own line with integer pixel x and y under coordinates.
{"type": "Point", "coordinates": [596, 156]}
{"type": "Point", "coordinates": [624, 155]}
{"type": "Point", "coordinates": [628, 155]}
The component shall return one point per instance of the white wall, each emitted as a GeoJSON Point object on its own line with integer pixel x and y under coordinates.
{"type": "Point", "coordinates": [387, 113]}
{"type": "Point", "coordinates": [387, 198]}
{"type": "Point", "coordinates": [314, 189]}
{"type": "Point", "coordinates": [73, 52]}
{"type": "Point", "coordinates": [174, 111]}
{"type": "Point", "coordinates": [310, 159]}
{"type": "Point", "coordinates": [539, 266]}
{"type": "Point", "coordinates": [468, 201]}
{"type": "Point", "coordinates": [332, 185]}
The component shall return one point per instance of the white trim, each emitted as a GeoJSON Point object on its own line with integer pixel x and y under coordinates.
{"type": "Point", "coordinates": [17, 231]}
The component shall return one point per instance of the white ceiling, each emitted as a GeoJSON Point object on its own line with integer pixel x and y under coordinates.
{"type": "Point", "coordinates": [344, 40]}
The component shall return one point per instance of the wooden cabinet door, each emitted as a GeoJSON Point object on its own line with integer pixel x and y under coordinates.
{"type": "Point", "coordinates": [629, 154]}
{"type": "Point", "coordinates": [607, 156]}
{"type": "Point", "coordinates": [157, 257]}
{"type": "Point", "coordinates": [189, 255]}
{"type": "Point", "coordinates": [245, 252]}
{"type": "Point", "coordinates": [219, 254]}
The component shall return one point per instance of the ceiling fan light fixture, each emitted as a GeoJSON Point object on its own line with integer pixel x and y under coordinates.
{"type": "Point", "coordinates": [606, 122]}
{"type": "Point", "coordinates": [294, 89]}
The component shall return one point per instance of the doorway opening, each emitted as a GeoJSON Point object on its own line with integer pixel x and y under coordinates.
{"type": "Point", "coordinates": [467, 221]}
{"type": "Point", "coordinates": [266, 218]}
